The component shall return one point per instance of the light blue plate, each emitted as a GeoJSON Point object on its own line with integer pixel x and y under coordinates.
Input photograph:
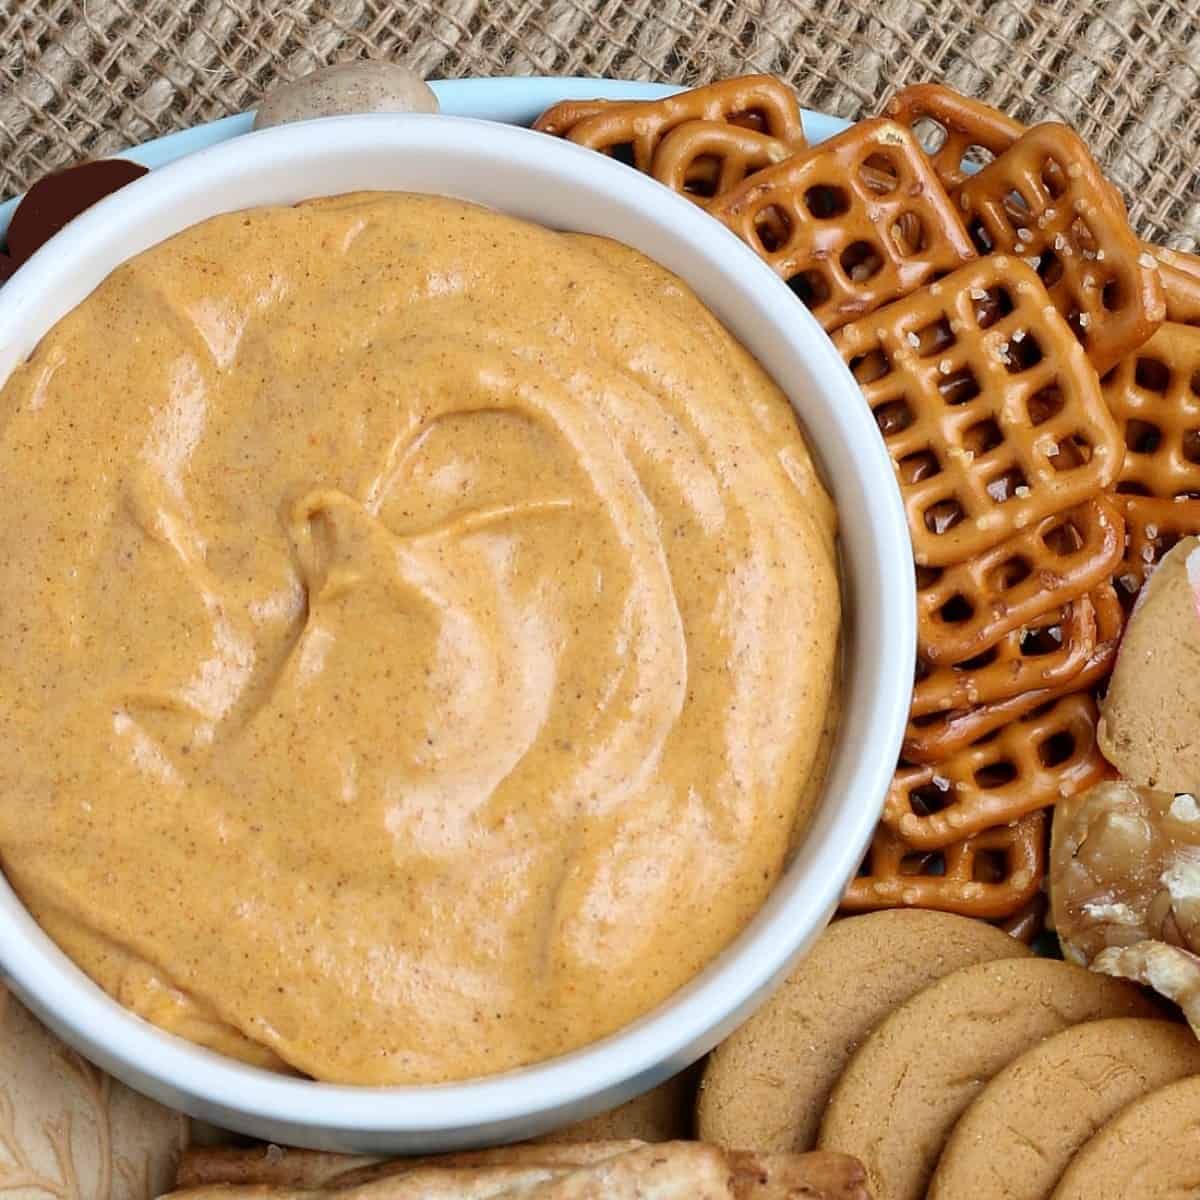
{"type": "Point", "coordinates": [515, 101]}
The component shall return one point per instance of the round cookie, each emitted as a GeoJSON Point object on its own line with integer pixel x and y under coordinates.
{"type": "Point", "coordinates": [1148, 1151]}
{"type": "Point", "coordinates": [1013, 1145]}
{"type": "Point", "coordinates": [766, 1086]}
{"type": "Point", "coordinates": [68, 1130]}
{"type": "Point", "coordinates": [663, 1114]}
{"type": "Point", "coordinates": [902, 1092]}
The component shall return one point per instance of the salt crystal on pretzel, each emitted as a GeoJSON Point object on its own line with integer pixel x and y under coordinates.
{"type": "Point", "coordinates": [964, 609]}
{"type": "Point", "coordinates": [851, 224]}
{"type": "Point", "coordinates": [1032, 763]}
{"type": "Point", "coordinates": [704, 160]}
{"type": "Point", "coordinates": [992, 874]}
{"type": "Point", "coordinates": [758, 102]}
{"type": "Point", "coordinates": [936, 737]}
{"type": "Point", "coordinates": [1154, 394]}
{"type": "Point", "coordinates": [1050, 650]}
{"type": "Point", "coordinates": [1011, 414]}
{"type": "Point", "coordinates": [1046, 198]}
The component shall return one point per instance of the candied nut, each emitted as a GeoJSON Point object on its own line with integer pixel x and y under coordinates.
{"type": "Point", "coordinates": [1125, 868]}
{"type": "Point", "coordinates": [1171, 971]}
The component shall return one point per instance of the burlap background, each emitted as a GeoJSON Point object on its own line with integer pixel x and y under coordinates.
{"type": "Point", "coordinates": [83, 77]}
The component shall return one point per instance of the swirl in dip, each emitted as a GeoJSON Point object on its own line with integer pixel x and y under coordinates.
{"type": "Point", "coordinates": [416, 628]}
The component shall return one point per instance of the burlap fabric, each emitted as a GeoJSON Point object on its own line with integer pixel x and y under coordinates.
{"type": "Point", "coordinates": [87, 77]}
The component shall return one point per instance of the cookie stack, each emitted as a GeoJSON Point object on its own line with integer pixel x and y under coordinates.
{"type": "Point", "coordinates": [1034, 370]}
{"type": "Point", "coordinates": [953, 1063]}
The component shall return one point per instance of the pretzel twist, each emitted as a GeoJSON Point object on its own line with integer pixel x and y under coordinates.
{"type": "Point", "coordinates": [757, 102]}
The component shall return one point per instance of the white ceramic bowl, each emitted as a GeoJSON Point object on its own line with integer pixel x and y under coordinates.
{"type": "Point", "coordinates": [560, 185]}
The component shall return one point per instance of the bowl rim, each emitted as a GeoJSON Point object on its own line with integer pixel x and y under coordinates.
{"type": "Point", "coordinates": [693, 1019]}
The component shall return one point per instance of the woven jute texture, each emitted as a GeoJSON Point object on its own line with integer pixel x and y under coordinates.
{"type": "Point", "coordinates": [87, 77]}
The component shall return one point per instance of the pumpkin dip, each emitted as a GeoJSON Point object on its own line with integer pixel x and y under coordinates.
{"type": "Point", "coordinates": [416, 628]}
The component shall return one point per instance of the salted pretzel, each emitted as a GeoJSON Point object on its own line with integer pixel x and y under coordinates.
{"type": "Point", "coordinates": [1051, 650]}
{"type": "Point", "coordinates": [1154, 394]}
{"type": "Point", "coordinates": [937, 736]}
{"type": "Point", "coordinates": [634, 131]}
{"type": "Point", "coordinates": [990, 412]}
{"type": "Point", "coordinates": [559, 119]}
{"type": "Point", "coordinates": [1152, 526]}
{"type": "Point", "coordinates": [1045, 200]}
{"type": "Point", "coordinates": [851, 224]}
{"type": "Point", "coordinates": [962, 126]}
{"type": "Point", "coordinates": [1049, 753]}
{"type": "Point", "coordinates": [993, 874]}
{"type": "Point", "coordinates": [1027, 922]}
{"type": "Point", "coordinates": [966, 608]}
{"type": "Point", "coordinates": [1179, 274]}
{"type": "Point", "coordinates": [704, 160]}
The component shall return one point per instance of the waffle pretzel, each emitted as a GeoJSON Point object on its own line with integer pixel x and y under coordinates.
{"type": "Point", "coordinates": [1046, 200]}
{"type": "Point", "coordinates": [1179, 274]}
{"type": "Point", "coordinates": [559, 119]}
{"type": "Point", "coordinates": [758, 102]}
{"type": "Point", "coordinates": [993, 874]}
{"type": "Point", "coordinates": [964, 125]}
{"type": "Point", "coordinates": [1051, 650]}
{"type": "Point", "coordinates": [1152, 526]}
{"type": "Point", "coordinates": [990, 412]}
{"type": "Point", "coordinates": [964, 130]}
{"type": "Point", "coordinates": [851, 224]}
{"type": "Point", "coordinates": [703, 160]}
{"type": "Point", "coordinates": [933, 738]}
{"type": "Point", "coordinates": [1154, 394]}
{"type": "Point", "coordinates": [1044, 756]}
{"type": "Point", "coordinates": [966, 608]}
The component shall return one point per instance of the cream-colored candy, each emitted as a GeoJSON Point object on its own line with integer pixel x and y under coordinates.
{"type": "Point", "coordinates": [68, 1130]}
{"type": "Point", "coordinates": [358, 87]}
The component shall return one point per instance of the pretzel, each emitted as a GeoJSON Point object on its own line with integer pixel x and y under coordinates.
{"type": "Point", "coordinates": [964, 125]}
{"type": "Point", "coordinates": [1179, 274]}
{"type": "Point", "coordinates": [851, 224]}
{"type": "Point", "coordinates": [559, 119]}
{"type": "Point", "coordinates": [992, 874]}
{"type": "Point", "coordinates": [933, 738]}
{"type": "Point", "coordinates": [1152, 526]}
{"type": "Point", "coordinates": [705, 159]}
{"type": "Point", "coordinates": [758, 102]}
{"type": "Point", "coordinates": [1051, 650]}
{"type": "Point", "coordinates": [1154, 394]}
{"type": "Point", "coordinates": [1045, 199]}
{"type": "Point", "coordinates": [1049, 753]}
{"type": "Point", "coordinates": [991, 414]}
{"type": "Point", "coordinates": [966, 608]}
{"type": "Point", "coordinates": [1028, 922]}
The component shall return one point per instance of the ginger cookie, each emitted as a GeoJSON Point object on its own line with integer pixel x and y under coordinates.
{"type": "Point", "coordinates": [663, 1114]}
{"type": "Point", "coordinates": [68, 1130]}
{"type": "Point", "coordinates": [766, 1086]}
{"type": "Point", "coordinates": [1147, 1151]}
{"type": "Point", "coordinates": [911, 1080]}
{"type": "Point", "coordinates": [1013, 1145]}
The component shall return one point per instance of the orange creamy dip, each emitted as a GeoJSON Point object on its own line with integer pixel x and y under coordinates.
{"type": "Point", "coordinates": [415, 632]}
